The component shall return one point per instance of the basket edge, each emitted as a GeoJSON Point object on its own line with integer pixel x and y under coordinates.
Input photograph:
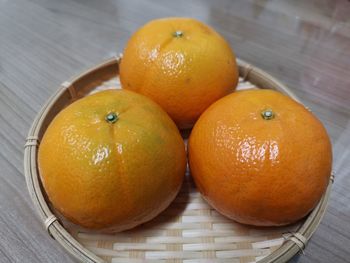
{"type": "Point", "coordinates": [58, 232]}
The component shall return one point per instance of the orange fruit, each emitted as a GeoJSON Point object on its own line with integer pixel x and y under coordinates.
{"type": "Point", "coordinates": [182, 64]}
{"type": "Point", "coordinates": [260, 158]}
{"type": "Point", "coordinates": [112, 160]}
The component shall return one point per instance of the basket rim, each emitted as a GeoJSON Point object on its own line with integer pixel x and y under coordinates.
{"type": "Point", "coordinates": [57, 231]}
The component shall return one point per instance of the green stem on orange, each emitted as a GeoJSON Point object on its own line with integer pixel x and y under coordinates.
{"type": "Point", "coordinates": [111, 117]}
{"type": "Point", "coordinates": [178, 34]}
{"type": "Point", "coordinates": [267, 114]}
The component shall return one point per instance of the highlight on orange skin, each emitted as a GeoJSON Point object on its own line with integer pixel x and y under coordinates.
{"type": "Point", "coordinates": [180, 63]}
{"type": "Point", "coordinates": [260, 158]}
{"type": "Point", "coordinates": [112, 160]}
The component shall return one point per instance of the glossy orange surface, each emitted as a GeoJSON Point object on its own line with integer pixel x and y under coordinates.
{"type": "Point", "coordinates": [112, 160]}
{"type": "Point", "coordinates": [260, 158]}
{"type": "Point", "coordinates": [180, 63]}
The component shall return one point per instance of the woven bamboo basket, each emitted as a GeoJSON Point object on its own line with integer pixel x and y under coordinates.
{"type": "Point", "coordinates": [189, 230]}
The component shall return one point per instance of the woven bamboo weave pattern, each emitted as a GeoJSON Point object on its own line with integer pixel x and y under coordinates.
{"type": "Point", "coordinates": [189, 230]}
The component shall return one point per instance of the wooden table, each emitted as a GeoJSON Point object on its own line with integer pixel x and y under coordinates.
{"type": "Point", "coordinates": [306, 44]}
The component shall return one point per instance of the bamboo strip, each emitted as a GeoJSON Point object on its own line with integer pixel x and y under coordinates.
{"type": "Point", "coordinates": [189, 231]}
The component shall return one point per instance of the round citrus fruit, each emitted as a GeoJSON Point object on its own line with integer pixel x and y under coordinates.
{"type": "Point", "coordinates": [112, 160]}
{"type": "Point", "coordinates": [260, 158]}
{"type": "Point", "coordinates": [182, 64]}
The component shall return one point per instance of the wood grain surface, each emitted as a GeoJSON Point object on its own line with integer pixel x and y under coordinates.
{"type": "Point", "coordinates": [305, 44]}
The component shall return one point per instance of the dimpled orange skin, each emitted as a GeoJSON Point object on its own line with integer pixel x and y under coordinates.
{"type": "Point", "coordinates": [112, 176]}
{"type": "Point", "coordinates": [256, 171]}
{"type": "Point", "coordinates": [185, 73]}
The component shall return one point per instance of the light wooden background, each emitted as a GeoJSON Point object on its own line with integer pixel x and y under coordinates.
{"type": "Point", "coordinates": [306, 44]}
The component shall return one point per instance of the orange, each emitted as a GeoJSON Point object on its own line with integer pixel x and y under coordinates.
{"type": "Point", "coordinates": [260, 158]}
{"type": "Point", "coordinates": [112, 160]}
{"type": "Point", "coordinates": [182, 64]}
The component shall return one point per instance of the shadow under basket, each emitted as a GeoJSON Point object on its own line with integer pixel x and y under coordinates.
{"type": "Point", "coordinates": [189, 230]}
